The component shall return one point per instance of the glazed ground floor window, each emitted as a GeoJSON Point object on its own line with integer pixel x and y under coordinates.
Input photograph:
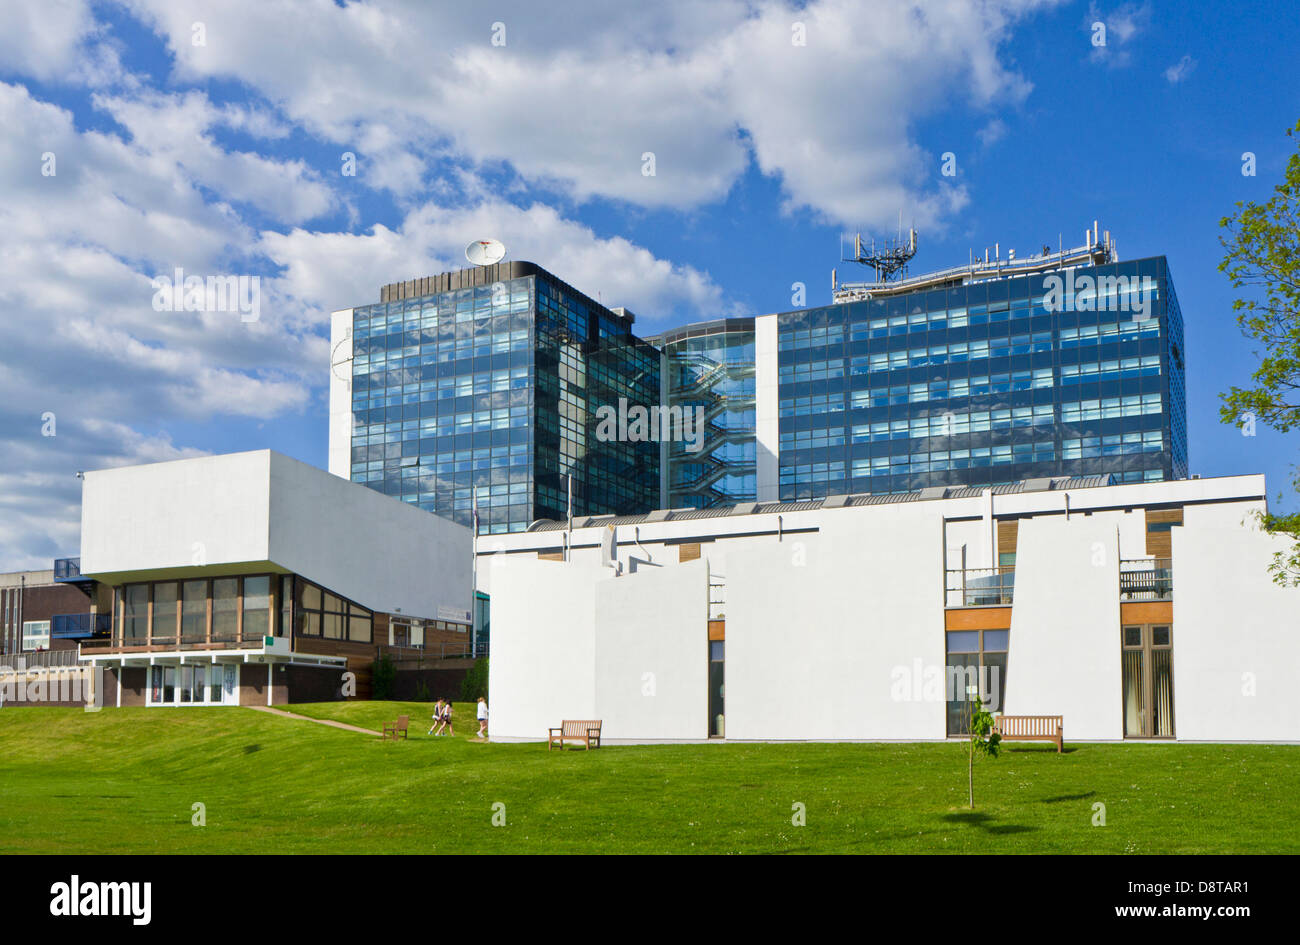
{"type": "Point", "coordinates": [1147, 654]}
{"type": "Point", "coordinates": [194, 684]}
{"type": "Point", "coordinates": [976, 665]}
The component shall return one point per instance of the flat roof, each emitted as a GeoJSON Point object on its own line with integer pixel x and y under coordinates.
{"type": "Point", "coordinates": [1021, 487]}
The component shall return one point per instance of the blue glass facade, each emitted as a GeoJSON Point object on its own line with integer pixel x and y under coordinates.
{"type": "Point", "coordinates": [985, 383]}
{"type": "Point", "coordinates": [711, 368]}
{"type": "Point", "coordinates": [495, 388]}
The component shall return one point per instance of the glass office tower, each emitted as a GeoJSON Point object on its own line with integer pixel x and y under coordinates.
{"type": "Point", "coordinates": [986, 382]}
{"type": "Point", "coordinates": [490, 379]}
{"type": "Point", "coordinates": [711, 367]}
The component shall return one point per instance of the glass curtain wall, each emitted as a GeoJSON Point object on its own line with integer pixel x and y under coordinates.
{"type": "Point", "coordinates": [709, 374]}
{"type": "Point", "coordinates": [985, 383]}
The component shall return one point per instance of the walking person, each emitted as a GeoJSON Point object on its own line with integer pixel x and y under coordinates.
{"type": "Point", "coordinates": [482, 717]}
{"type": "Point", "coordinates": [437, 718]}
{"type": "Point", "coordinates": [446, 718]}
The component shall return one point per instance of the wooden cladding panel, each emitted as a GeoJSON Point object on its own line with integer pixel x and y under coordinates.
{"type": "Point", "coordinates": [688, 552]}
{"type": "Point", "coordinates": [978, 618]}
{"type": "Point", "coordinates": [717, 629]}
{"type": "Point", "coordinates": [1160, 543]}
{"type": "Point", "coordinates": [550, 556]}
{"type": "Point", "coordinates": [1153, 611]}
{"type": "Point", "coordinates": [1007, 532]}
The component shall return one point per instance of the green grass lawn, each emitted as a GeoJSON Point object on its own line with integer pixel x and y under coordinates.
{"type": "Point", "coordinates": [125, 780]}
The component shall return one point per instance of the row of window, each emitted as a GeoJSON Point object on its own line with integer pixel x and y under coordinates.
{"type": "Point", "coordinates": [222, 609]}
{"type": "Point", "coordinates": [424, 351]}
{"type": "Point", "coordinates": [1106, 333]}
{"type": "Point", "coordinates": [1119, 444]}
{"type": "Point", "coordinates": [474, 421]}
{"type": "Point", "coordinates": [1123, 304]}
{"type": "Point", "coordinates": [1041, 451]}
{"type": "Point", "coordinates": [1112, 369]}
{"type": "Point", "coordinates": [1108, 408]}
{"type": "Point", "coordinates": [954, 389]}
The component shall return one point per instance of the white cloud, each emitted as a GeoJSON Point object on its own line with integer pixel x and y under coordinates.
{"type": "Point", "coordinates": [178, 128]}
{"type": "Point", "coordinates": [1123, 24]}
{"type": "Point", "coordinates": [574, 99]}
{"type": "Point", "coordinates": [336, 270]}
{"type": "Point", "coordinates": [1180, 70]}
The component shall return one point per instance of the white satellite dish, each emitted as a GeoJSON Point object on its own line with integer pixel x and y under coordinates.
{"type": "Point", "coordinates": [485, 252]}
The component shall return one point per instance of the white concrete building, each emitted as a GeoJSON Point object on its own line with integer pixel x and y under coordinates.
{"type": "Point", "coordinates": [1141, 611]}
{"type": "Point", "coordinates": [252, 578]}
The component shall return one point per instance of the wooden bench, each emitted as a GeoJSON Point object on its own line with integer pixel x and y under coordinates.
{"type": "Point", "coordinates": [393, 729]}
{"type": "Point", "coordinates": [584, 731]}
{"type": "Point", "coordinates": [1031, 728]}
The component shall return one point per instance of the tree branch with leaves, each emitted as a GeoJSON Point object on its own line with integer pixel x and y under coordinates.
{"type": "Point", "coordinates": [1262, 257]}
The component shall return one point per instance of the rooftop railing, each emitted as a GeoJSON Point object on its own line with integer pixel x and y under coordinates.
{"type": "Point", "coordinates": [979, 587]}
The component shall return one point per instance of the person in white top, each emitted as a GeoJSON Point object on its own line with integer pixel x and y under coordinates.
{"type": "Point", "coordinates": [482, 717]}
{"type": "Point", "coordinates": [435, 728]}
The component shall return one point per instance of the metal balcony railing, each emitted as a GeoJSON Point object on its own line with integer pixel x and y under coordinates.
{"type": "Point", "coordinates": [979, 587]}
{"type": "Point", "coordinates": [1146, 579]}
{"type": "Point", "coordinates": [68, 571]}
{"type": "Point", "coordinates": [79, 626]}
{"type": "Point", "coordinates": [717, 600]}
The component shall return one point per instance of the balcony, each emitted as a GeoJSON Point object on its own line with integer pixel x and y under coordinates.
{"type": "Point", "coordinates": [170, 644]}
{"type": "Point", "coordinates": [68, 571]}
{"type": "Point", "coordinates": [80, 626]}
{"type": "Point", "coordinates": [1146, 579]}
{"type": "Point", "coordinates": [979, 587]}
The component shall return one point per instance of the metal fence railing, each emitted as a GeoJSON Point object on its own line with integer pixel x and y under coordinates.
{"type": "Point", "coordinates": [1146, 579]}
{"type": "Point", "coordinates": [429, 653]}
{"type": "Point", "coordinates": [38, 658]}
{"type": "Point", "coordinates": [979, 587]}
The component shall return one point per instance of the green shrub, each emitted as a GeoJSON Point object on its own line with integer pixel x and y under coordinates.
{"type": "Point", "coordinates": [382, 678]}
{"type": "Point", "coordinates": [475, 683]}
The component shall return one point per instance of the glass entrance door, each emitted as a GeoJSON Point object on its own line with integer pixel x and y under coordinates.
{"type": "Point", "coordinates": [1148, 667]}
{"type": "Point", "coordinates": [717, 675]}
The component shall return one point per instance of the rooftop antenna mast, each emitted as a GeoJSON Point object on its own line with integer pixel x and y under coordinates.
{"type": "Point", "coordinates": [890, 259]}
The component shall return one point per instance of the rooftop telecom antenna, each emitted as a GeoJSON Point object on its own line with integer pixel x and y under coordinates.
{"type": "Point", "coordinates": [890, 259]}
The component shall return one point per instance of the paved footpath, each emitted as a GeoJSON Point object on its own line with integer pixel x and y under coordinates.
{"type": "Point", "coordinates": [307, 718]}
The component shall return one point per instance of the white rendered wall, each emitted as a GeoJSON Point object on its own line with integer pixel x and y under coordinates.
{"type": "Point", "coordinates": [243, 511]}
{"type": "Point", "coordinates": [340, 435]}
{"type": "Point", "coordinates": [381, 552]}
{"type": "Point", "coordinates": [822, 630]}
{"type": "Point", "coordinates": [767, 425]}
{"type": "Point", "coordinates": [543, 662]}
{"type": "Point", "coordinates": [1064, 652]}
{"type": "Point", "coordinates": [211, 510]}
{"type": "Point", "coordinates": [1236, 635]}
{"type": "Point", "coordinates": [651, 632]}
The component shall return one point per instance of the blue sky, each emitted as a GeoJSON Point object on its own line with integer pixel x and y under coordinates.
{"type": "Point", "coordinates": [211, 136]}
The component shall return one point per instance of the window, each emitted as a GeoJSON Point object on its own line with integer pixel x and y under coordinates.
{"type": "Point", "coordinates": [164, 611]}
{"type": "Point", "coordinates": [976, 665]}
{"type": "Point", "coordinates": [194, 611]}
{"type": "Point", "coordinates": [1147, 653]}
{"type": "Point", "coordinates": [135, 609]}
{"type": "Point", "coordinates": [257, 607]}
{"type": "Point", "coordinates": [322, 614]}
{"type": "Point", "coordinates": [286, 606]}
{"type": "Point", "coordinates": [36, 634]}
{"type": "Point", "coordinates": [225, 612]}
